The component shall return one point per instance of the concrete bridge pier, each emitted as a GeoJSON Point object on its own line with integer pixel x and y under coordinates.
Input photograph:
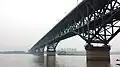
{"type": "Point", "coordinates": [101, 53]}
{"type": "Point", "coordinates": [51, 49]}
{"type": "Point", "coordinates": [39, 51]}
{"type": "Point", "coordinates": [98, 63]}
{"type": "Point", "coordinates": [50, 61]}
{"type": "Point", "coordinates": [50, 58]}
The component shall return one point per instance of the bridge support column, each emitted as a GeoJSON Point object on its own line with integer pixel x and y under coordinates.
{"type": "Point", "coordinates": [98, 63]}
{"type": "Point", "coordinates": [51, 49]}
{"type": "Point", "coordinates": [50, 58]}
{"type": "Point", "coordinates": [50, 61]}
{"type": "Point", "coordinates": [101, 53]}
{"type": "Point", "coordinates": [39, 51]}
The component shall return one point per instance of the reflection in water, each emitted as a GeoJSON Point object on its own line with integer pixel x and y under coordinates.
{"type": "Point", "coordinates": [28, 60]}
{"type": "Point", "coordinates": [39, 60]}
{"type": "Point", "coordinates": [98, 63]}
{"type": "Point", "coordinates": [45, 61]}
{"type": "Point", "coordinates": [50, 61]}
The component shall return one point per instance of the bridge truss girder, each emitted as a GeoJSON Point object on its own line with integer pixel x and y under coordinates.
{"type": "Point", "coordinates": [98, 27]}
{"type": "Point", "coordinates": [104, 27]}
{"type": "Point", "coordinates": [64, 28]}
{"type": "Point", "coordinates": [96, 21]}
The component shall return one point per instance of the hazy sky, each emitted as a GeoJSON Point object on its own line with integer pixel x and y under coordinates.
{"type": "Point", "coordinates": [24, 22]}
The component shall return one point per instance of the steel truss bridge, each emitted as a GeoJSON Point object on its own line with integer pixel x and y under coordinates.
{"type": "Point", "coordinates": [95, 21]}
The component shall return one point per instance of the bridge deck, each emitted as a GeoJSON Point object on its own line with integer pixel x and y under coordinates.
{"type": "Point", "coordinates": [76, 15]}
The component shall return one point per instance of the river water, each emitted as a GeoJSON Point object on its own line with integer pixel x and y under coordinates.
{"type": "Point", "coordinates": [29, 60]}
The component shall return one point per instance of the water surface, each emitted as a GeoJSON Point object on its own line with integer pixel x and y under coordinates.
{"type": "Point", "coordinates": [29, 60]}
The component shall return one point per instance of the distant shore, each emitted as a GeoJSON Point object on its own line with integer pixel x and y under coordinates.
{"type": "Point", "coordinates": [79, 53]}
{"type": "Point", "coordinates": [13, 52]}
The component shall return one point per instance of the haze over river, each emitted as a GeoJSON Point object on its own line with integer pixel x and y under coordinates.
{"type": "Point", "coordinates": [29, 60]}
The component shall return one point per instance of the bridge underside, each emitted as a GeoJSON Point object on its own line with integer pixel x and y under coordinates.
{"type": "Point", "coordinates": [95, 21]}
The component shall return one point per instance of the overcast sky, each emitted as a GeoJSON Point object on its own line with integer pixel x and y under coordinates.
{"type": "Point", "coordinates": [24, 22]}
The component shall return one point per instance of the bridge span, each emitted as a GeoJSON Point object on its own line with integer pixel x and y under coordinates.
{"type": "Point", "coordinates": [95, 21]}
